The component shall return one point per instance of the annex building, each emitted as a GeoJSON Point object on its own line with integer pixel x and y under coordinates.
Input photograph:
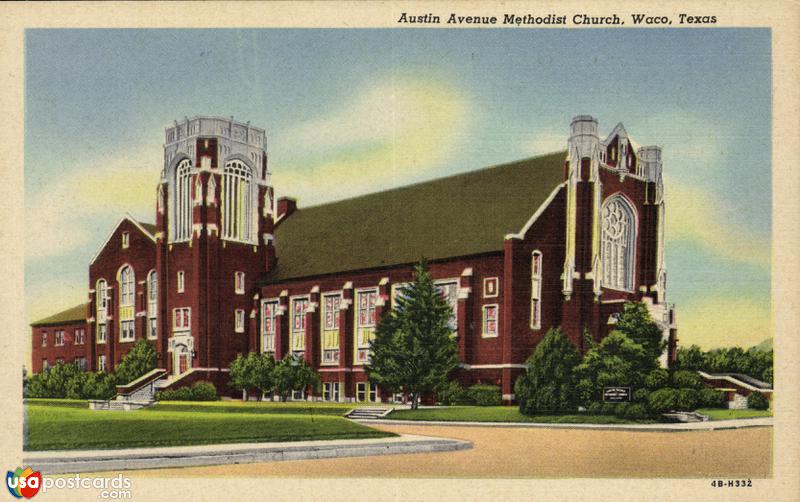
{"type": "Point", "coordinates": [563, 239]}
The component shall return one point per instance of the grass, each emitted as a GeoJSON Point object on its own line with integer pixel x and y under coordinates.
{"type": "Point", "coordinates": [504, 414]}
{"type": "Point", "coordinates": [722, 414]}
{"type": "Point", "coordinates": [55, 425]}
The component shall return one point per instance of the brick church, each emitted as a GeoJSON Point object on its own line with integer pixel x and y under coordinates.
{"type": "Point", "coordinates": [563, 239]}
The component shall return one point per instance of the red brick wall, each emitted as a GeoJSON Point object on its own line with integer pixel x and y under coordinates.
{"type": "Point", "coordinates": [140, 255]}
{"type": "Point", "coordinates": [68, 352]}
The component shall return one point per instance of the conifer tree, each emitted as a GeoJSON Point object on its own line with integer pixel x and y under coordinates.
{"type": "Point", "coordinates": [414, 349]}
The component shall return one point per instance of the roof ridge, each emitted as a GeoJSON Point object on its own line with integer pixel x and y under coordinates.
{"type": "Point", "coordinates": [433, 180]}
{"type": "Point", "coordinates": [55, 319]}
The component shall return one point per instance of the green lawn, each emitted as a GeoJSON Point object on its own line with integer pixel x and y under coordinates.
{"type": "Point", "coordinates": [56, 425]}
{"type": "Point", "coordinates": [720, 414]}
{"type": "Point", "coordinates": [503, 414]}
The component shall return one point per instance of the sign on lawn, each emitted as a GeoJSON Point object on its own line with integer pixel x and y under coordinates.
{"type": "Point", "coordinates": [616, 394]}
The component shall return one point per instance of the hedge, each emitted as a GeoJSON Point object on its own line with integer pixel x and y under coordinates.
{"type": "Point", "coordinates": [757, 401]}
{"type": "Point", "coordinates": [485, 395]}
{"type": "Point", "coordinates": [201, 391]}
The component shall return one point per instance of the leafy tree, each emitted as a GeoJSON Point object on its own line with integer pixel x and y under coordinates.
{"type": "Point", "coordinates": [293, 373]}
{"type": "Point", "coordinates": [635, 322]}
{"type": "Point", "coordinates": [754, 362]}
{"type": "Point", "coordinates": [615, 361]}
{"type": "Point", "coordinates": [413, 349]}
{"type": "Point", "coordinates": [683, 379]}
{"type": "Point", "coordinates": [548, 383]}
{"type": "Point", "coordinates": [263, 374]}
{"type": "Point", "coordinates": [99, 385]}
{"type": "Point", "coordinates": [137, 362]}
{"type": "Point", "coordinates": [767, 375]}
{"type": "Point", "coordinates": [691, 358]}
{"type": "Point", "coordinates": [242, 373]}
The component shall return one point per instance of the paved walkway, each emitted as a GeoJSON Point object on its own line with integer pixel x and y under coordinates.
{"type": "Point", "coordinates": [72, 461]}
{"type": "Point", "coordinates": [710, 425]}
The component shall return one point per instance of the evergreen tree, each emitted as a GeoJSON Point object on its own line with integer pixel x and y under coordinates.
{"type": "Point", "coordinates": [615, 361]}
{"type": "Point", "coordinates": [414, 349]}
{"type": "Point", "coordinates": [548, 383]}
{"type": "Point", "coordinates": [635, 322]}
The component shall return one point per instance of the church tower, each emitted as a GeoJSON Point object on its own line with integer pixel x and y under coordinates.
{"type": "Point", "coordinates": [214, 219]}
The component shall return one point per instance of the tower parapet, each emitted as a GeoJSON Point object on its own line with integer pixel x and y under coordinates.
{"type": "Point", "coordinates": [222, 138]}
{"type": "Point", "coordinates": [650, 157]}
{"type": "Point", "coordinates": [583, 139]}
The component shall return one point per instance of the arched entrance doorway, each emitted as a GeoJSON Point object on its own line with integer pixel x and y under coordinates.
{"type": "Point", "coordinates": [181, 359]}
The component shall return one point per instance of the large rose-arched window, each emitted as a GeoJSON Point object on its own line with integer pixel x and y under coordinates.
{"type": "Point", "coordinates": [618, 244]}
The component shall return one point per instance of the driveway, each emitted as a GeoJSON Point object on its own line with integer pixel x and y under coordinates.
{"type": "Point", "coordinates": [538, 453]}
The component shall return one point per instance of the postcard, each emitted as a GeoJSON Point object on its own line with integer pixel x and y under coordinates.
{"type": "Point", "coordinates": [400, 250]}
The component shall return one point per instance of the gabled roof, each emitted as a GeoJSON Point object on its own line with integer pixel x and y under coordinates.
{"type": "Point", "coordinates": [459, 215]}
{"type": "Point", "coordinates": [147, 229]}
{"type": "Point", "coordinates": [71, 315]}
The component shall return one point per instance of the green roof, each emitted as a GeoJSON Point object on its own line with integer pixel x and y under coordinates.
{"type": "Point", "coordinates": [461, 215]}
{"type": "Point", "coordinates": [149, 227]}
{"type": "Point", "coordinates": [71, 315]}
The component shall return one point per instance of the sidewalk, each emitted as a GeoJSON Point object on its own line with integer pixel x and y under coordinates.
{"type": "Point", "coordinates": [72, 461]}
{"type": "Point", "coordinates": [740, 423]}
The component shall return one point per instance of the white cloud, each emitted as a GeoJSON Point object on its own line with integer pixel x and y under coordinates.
{"type": "Point", "coordinates": [697, 215]}
{"type": "Point", "coordinates": [391, 132]}
{"type": "Point", "coordinates": [59, 216]}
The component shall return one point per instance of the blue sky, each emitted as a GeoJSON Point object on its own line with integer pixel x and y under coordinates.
{"type": "Point", "coordinates": [352, 111]}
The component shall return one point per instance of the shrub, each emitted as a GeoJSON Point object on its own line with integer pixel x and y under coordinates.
{"type": "Point", "coordinates": [609, 408]}
{"type": "Point", "coordinates": [657, 379]}
{"type": "Point", "coordinates": [711, 398]}
{"type": "Point", "coordinates": [450, 393]}
{"type": "Point", "coordinates": [757, 401]}
{"type": "Point", "coordinates": [485, 395]}
{"type": "Point", "coordinates": [662, 400]}
{"type": "Point", "coordinates": [595, 408]}
{"type": "Point", "coordinates": [201, 391]}
{"type": "Point", "coordinates": [640, 395]}
{"type": "Point", "coordinates": [636, 411]}
{"type": "Point", "coordinates": [684, 379]}
{"type": "Point", "coordinates": [687, 399]}
{"type": "Point", "coordinates": [204, 391]}
{"type": "Point", "coordinates": [621, 409]}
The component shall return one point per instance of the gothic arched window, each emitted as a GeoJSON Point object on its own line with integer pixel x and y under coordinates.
{"type": "Point", "coordinates": [182, 221]}
{"type": "Point", "coordinates": [237, 202]}
{"type": "Point", "coordinates": [152, 304]}
{"type": "Point", "coordinates": [101, 292]}
{"type": "Point", "coordinates": [618, 244]}
{"type": "Point", "coordinates": [127, 294]}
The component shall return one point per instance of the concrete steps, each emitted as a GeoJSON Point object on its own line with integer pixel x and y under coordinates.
{"type": "Point", "coordinates": [368, 413]}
